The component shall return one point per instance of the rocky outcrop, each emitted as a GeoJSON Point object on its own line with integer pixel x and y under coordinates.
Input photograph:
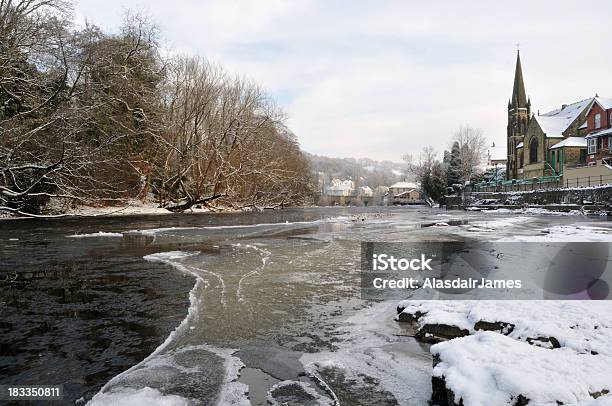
{"type": "Point", "coordinates": [430, 333]}
{"type": "Point", "coordinates": [545, 342]}
{"type": "Point", "coordinates": [497, 326]}
{"type": "Point", "coordinates": [436, 333]}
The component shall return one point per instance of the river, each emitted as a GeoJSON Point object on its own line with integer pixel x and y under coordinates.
{"type": "Point", "coordinates": [250, 308]}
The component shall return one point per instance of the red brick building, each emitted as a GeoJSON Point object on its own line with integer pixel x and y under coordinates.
{"type": "Point", "coordinates": [599, 131]}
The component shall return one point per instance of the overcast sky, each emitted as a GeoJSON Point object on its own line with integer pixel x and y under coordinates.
{"type": "Point", "coordinates": [381, 79]}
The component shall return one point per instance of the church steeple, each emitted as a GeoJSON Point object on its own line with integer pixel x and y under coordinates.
{"type": "Point", "coordinates": [519, 96]}
{"type": "Point", "coordinates": [519, 113]}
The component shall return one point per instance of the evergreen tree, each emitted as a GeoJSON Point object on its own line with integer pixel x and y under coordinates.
{"type": "Point", "coordinates": [454, 167]}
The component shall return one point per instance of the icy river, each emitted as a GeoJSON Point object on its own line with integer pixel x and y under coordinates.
{"type": "Point", "coordinates": [229, 309]}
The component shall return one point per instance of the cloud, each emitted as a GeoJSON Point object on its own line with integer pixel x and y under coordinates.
{"type": "Point", "coordinates": [382, 79]}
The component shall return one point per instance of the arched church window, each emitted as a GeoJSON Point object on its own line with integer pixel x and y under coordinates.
{"type": "Point", "coordinates": [533, 150]}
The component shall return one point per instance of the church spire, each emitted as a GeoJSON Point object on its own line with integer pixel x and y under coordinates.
{"type": "Point", "coordinates": [519, 97]}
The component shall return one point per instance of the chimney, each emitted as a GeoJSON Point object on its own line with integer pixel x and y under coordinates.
{"type": "Point", "coordinates": [563, 106]}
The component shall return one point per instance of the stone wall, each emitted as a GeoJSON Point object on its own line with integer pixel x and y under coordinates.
{"type": "Point", "coordinates": [601, 195]}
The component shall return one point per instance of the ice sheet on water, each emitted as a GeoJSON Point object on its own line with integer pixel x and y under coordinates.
{"type": "Point", "coordinates": [297, 392]}
{"type": "Point", "coordinates": [568, 233]}
{"type": "Point", "coordinates": [154, 231]}
{"type": "Point", "coordinates": [199, 374]}
{"type": "Point", "coordinates": [137, 397]}
{"type": "Point", "coordinates": [180, 364]}
{"type": "Point", "coordinates": [362, 357]}
{"type": "Point", "coordinates": [169, 256]}
{"type": "Point", "coordinates": [98, 234]}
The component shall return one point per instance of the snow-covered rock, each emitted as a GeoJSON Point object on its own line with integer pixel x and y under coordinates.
{"type": "Point", "coordinates": [583, 326]}
{"type": "Point", "coordinates": [491, 369]}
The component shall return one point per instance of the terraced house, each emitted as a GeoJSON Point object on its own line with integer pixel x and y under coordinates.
{"type": "Point", "coordinates": [559, 143]}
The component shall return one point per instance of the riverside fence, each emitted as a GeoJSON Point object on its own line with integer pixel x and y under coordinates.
{"type": "Point", "coordinates": [542, 183]}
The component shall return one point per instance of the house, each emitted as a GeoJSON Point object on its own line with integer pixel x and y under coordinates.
{"type": "Point", "coordinates": [496, 155]}
{"type": "Point", "coordinates": [366, 191]}
{"type": "Point", "coordinates": [401, 187]}
{"type": "Point", "coordinates": [594, 165]}
{"type": "Point", "coordinates": [340, 188]}
{"type": "Point", "coordinates": [412, 196]}
{"type": "Point", "coordinates": [599, 131]}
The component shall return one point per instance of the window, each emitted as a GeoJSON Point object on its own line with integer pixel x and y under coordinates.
{"type": "Point", "coordinates": [611, 119]}
{"type": "Point", "coordinates": [598, 120]}
{"type": "Point", "coordinates": [533, 150]}
{"type": "Point", "coordinates": [592, 146]}
{"type": "Point", "coordinates": [610, 143]}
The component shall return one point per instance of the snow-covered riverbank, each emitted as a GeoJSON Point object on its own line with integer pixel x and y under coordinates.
{"type": "Point", "coordinates": [519, 352]}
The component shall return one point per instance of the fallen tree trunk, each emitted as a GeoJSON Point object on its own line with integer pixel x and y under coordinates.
{"type": "Point", "coordinates": [188, 203]}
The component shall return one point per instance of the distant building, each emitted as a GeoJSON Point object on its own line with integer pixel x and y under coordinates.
{"type": "Point", "coordinates": [496, 155]}
{"type": "Point", "coordinates": [340, 188]}
{"type": "Point", "coordinates": [411, 196]}
{"type": "Point", "coordinates": [366, 191]}
{"type": "Point", "coordinates": [401, 187]}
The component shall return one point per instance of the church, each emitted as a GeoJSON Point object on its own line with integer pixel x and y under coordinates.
{"type": "Point", "coordinates": [543, 145]}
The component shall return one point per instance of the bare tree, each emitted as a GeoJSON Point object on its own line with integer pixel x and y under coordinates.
{"type": "Point", "coordinates": [88, 117]}
{"type": "Point", "coordinates": [224, 140]}
{"type": "Point", "coordinates": [472, 150]}
{"type": "Point", "coordinates": [429, 171]}
{"type": "Point", "coordinates": [75, 108]}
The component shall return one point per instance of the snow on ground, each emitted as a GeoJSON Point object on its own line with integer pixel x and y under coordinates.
{"type": "Point", "coordinates": [583, 326]}
{"type": "Point", "coordinates": [600, 401]}
{"type": "Point", "coordinates": [491, 369]}
{"type": "Point", "coordinates": [134, 207]}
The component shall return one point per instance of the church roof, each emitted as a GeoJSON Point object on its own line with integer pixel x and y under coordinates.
{"type": "Point", "coordinates": [519, 96]}
{"type": "Point", "coordinates": [555, 122]}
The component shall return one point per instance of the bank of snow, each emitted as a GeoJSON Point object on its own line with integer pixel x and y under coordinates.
{"type": "Point", "coordinates": [508, 353]}
{"type": "Point", "coordinates": [491, 369]}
